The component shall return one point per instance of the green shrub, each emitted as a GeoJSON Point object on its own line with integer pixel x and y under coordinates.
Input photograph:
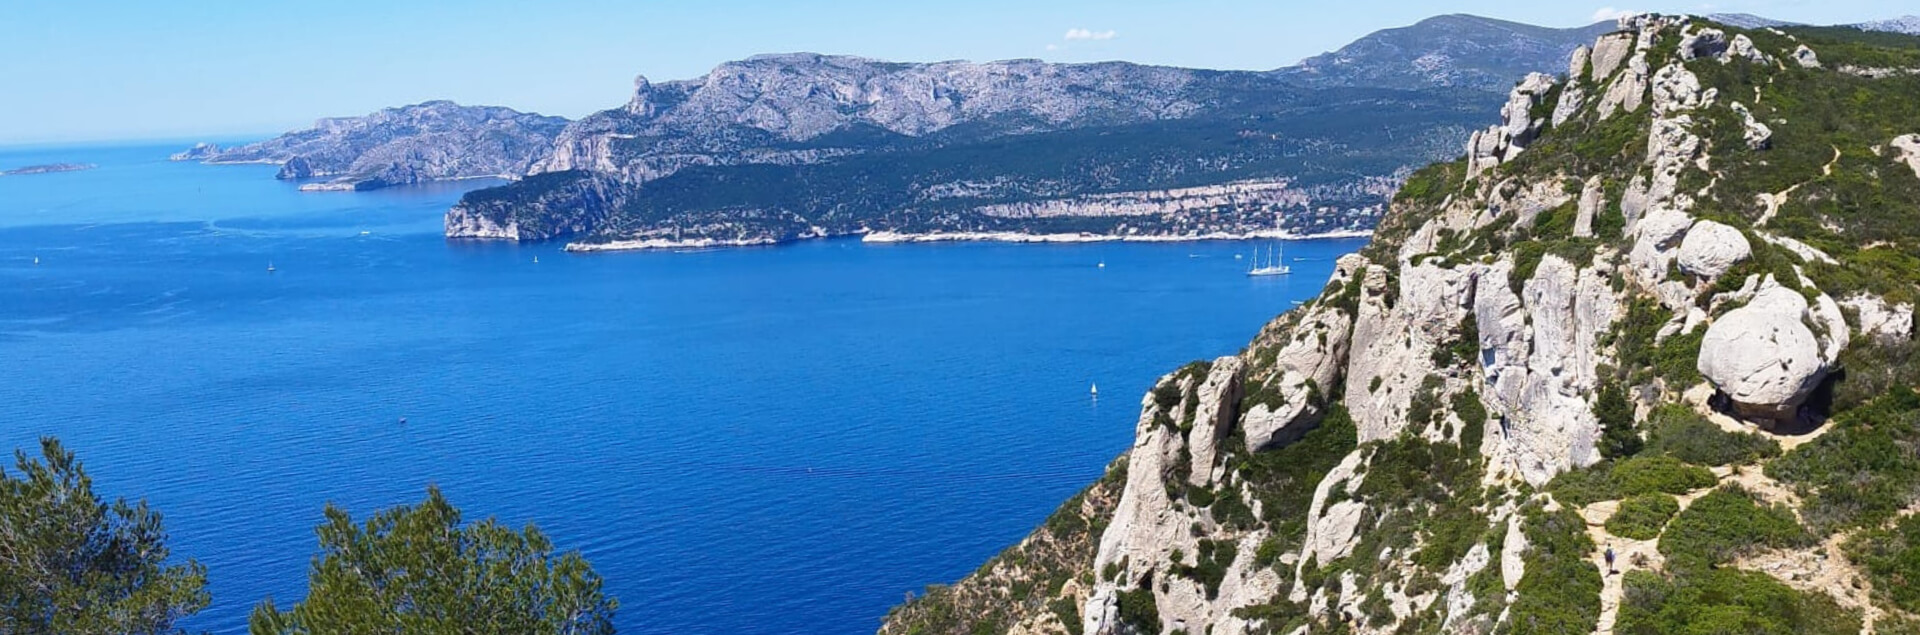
{"type": "Point", "coordinates": [1642, 517]}
{"type": "Point", "coordinates": [1618, 438]}
{"type": "Point", "coordinates": [1210, 566]}
{"type": "Point", "coordinates": [1139, 609]}
{"type": "Point", "coordinates": [1585, 486]}
{"type": "Point", "coordinates": [1560, 592]}
{"type": "Point", "coordinates": [1679, 432]}
{"type": "Point", "coordinates": [1284, 479]}
{"type": "Point", "coordinates": [1724, 524]}
{"type": "Point", "coordinates": [1659, 474]}
{"type": "Point", "coordinates": [1726, 601]}
{"type": "Point", "coordinates": [1864, 470]}
{"type": "Point", "coordinates": [1473, 420]}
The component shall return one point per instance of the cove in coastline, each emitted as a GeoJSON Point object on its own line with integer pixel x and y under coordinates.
{"type": "Point", "coordinates": [757, 440]}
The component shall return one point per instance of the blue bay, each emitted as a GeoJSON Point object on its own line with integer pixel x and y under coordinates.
{"type": "Point", "coordinates": [765, 440]}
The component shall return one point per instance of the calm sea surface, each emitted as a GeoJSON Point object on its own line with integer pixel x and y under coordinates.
{"type": "Point", "coordinates": [766, 440]}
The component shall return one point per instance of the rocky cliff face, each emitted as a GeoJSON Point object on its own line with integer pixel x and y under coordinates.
{"type": "Point", "coordinates": [1661, 311]}
{"type": "Point", "coordinates": [432, 141]}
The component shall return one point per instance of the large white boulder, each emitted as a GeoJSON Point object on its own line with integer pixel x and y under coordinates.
{"type": "Point", "coordinates": [1710, 249]}
{"type": "Point", "coordinates": [1763, 356]}
{"type": "Point", "coordinates": [1906, 148]}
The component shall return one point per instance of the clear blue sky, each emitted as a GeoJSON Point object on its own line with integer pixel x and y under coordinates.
{"type": "Point", "coordinates": [129, 69]}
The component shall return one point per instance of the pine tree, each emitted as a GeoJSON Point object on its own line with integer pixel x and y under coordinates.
{"type": "Point", "coordinates": [72, 564]}
{"type": "Point", "coordinates": [418, 570]}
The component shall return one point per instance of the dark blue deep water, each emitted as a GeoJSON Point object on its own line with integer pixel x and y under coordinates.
{"type": "Point", "coordinates": [767, 440]}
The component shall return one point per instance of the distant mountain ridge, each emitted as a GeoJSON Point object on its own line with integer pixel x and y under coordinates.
{"type": "Point", "coordinates": [430, 141]}
{"type": "Point", "coordinates": [787, 147]}
{"type": "Point", "coordinates": [792, 146]}
{"type": "Point", "coordinates": [1463, 51]}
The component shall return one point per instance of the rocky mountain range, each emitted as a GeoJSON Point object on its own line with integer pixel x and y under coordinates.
{"type": "Point", "coordinates": [1464, 51]}
{"type": "Point", "coordinates": [432, 141]}
{"type": "Point", "coordinates": [788, 147]}
{"type": "Point", "coordinates": [1907, 25]}
{"type": "Point", "coordinates": [1642, 361]}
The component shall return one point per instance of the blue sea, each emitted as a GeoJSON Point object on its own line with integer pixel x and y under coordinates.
{"type": "Point", "coordinates": [755, 440]}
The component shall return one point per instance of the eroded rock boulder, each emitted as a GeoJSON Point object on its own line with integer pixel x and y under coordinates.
{"type": "Point", "coordinates": [1762, 356]}
{"type": "Point", "coordinates": [1711, 248]}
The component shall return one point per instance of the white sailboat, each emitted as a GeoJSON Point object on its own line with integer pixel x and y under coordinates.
{"type": "Point", "coordinates": [270, 268]}
{"type": "Point", "coordinates": [1270, 268]}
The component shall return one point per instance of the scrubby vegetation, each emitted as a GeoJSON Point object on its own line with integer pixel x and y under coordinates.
{"type": "Point", "coordinates": [1725, 524]}
{"type": "Point", "coordinates": [1891, 557]}
{"type": "Point", "coordinates": [1864, 470]}
{"type": "Point", "coordinates": [1677, 431]}
{"type": "Point", "coordinates": [1642, 517]}
{"type": "Point", "coordinates": [1560, 592]}
{"type": "Point", "coordinates": [1716, 601]}
{"type": "Point", "coordinates": [1636, 476]}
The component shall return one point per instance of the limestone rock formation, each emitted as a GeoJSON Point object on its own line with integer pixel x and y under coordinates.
{"type": "Point", "coordinates": [1711, 248]}
{"type": "Point", "coordinates": [430, 141]}
{"type": "Point", "coordinates": [1763, 356]}
{"type": "Point", "coordinates": [1441, 441]}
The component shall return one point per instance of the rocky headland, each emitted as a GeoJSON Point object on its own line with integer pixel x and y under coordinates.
{"type": "Point", "coordinates": [48, 168]}
{"type": "Point", "coordinates": [432, 141]}
{"type": "Point", "coordinates": [1642, 361]}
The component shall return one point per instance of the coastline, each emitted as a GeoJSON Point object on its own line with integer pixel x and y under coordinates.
{"type": "Point", "coordinates": [890, 237]}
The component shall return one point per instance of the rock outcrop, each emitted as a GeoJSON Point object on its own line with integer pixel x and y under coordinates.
{"type": "Point", "coordinates": [1442, 440]}
{"type": "Point", "coordinates": [1763, 355]}
{"type": "Point", "coordinates": [432, 141]}
{"type": "Point", "coordinates": [1711, 249]}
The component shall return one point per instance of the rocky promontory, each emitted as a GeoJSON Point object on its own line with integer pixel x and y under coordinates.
{"type": "Point", "coordinates": [1634, 364]}
{"type": "Point", "coordinates": [48, 168]}
{"type": "Point", "coordinates": [432, 141]}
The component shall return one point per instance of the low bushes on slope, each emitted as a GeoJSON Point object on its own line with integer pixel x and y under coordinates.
{"type": "Point", "coordinates": [1864, 470]}
{"type": "Point", "coordinates": [1679, 432]}
{"type": "Point", "coordinates": [1725, 524]}
{"type": "Point", "coordinates": [1642, 517]}
{"type": "Point", "coordinates": [1719, 601]}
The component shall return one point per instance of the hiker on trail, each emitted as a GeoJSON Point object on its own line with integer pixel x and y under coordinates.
{"type": "Point", "coordinates": [1610, 559]}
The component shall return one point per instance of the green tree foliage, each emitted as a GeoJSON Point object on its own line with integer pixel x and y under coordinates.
{"type": "Point", "coordinates": [419, 570]}
{"type": "Point", "coordinates": [1618, 438]}
{"type": "Point", "coordinates": [71, 563]}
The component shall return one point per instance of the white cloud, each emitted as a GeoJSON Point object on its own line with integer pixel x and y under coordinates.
{"type": "Point", "coordinates": [1088, 34]}
{"type": "Point", "coordinates": [1054, 47]}
{"type": "Point", "coordinates": [1606, 14]}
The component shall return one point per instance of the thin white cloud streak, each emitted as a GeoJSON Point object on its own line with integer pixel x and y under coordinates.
{"type": "Point", "coordinates": [1089, 34]}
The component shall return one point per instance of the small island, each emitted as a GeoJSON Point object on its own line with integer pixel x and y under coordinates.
{"type": "Point", "coordinates": [48, 168]}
